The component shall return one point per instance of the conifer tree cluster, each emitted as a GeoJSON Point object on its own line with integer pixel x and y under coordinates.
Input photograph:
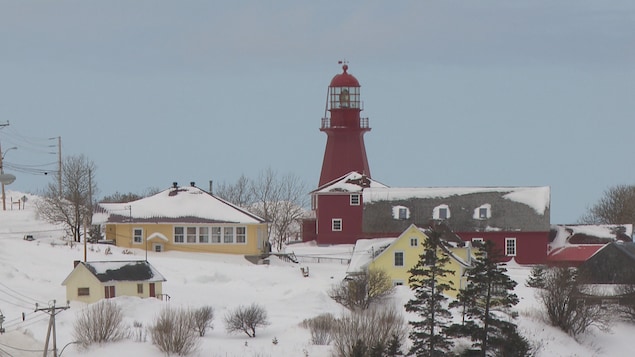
{"type": "Point", "coordinates": [429, 280]}
{"type": "Point", "coordinates": [484, 304]}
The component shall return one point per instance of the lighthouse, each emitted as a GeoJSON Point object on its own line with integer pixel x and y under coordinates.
{"type": "Point", "coordinates": [345, 129]}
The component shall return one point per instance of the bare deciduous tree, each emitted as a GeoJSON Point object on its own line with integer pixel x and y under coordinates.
{"type": "Point", "coordinates": [563, 311]}
{"type": "Point", "coordinates": [173, 332]}
{"type": "Point", "coordinates": [359, 291]}
{"type": "Point", "coordinates": [278, 200]}
{"type": "Point", "coordinates": [617, 206]}
{"type": "Point", "coordinates": [72, 206]}
{"type": "Point", "coordinates": [367, 332]}
{"type": "Point", "coordinates": [202, 318]}
{"type": "Point", "coordinates": [238, 193]}
{"type": "Point", "coordinates": [100, 323]}
{"type": "Point", "coordinates": [246, 319]}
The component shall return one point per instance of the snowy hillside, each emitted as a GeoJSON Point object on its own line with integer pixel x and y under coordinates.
{"type": "Point", "coordinates": [32, 271]}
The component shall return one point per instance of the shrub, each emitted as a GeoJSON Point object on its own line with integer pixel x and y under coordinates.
{"type": "Point", "coordinates": [321, 328]}
{"type": "Point", "coordinates": [203, 317]}
{"type": "Point", "coordinates": [246, 319]}
{"type": "Point", "coordinates": [559, 299]}
{"type": "Point", "coordinates": [368, 332]}
{"type": "Point", "coordinates": [99, 323]}
{"type": "Point", "coordinates": [359, 291]}
{"type": "Point", "coordinates": [174, 332]}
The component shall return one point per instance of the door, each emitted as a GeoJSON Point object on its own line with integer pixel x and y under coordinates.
{"type": "Point", "coordinates": [152, 291]}
{"type": "Point", "coordinates": [109, 292]}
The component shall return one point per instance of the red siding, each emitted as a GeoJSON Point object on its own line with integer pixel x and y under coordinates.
{"type": "Point", "coordinates": [531, 247]}
{"type": "Point", "coordinates": [338, 206]}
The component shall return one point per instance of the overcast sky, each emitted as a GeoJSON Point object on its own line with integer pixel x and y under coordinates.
{"type": "Point", "coordinates": [459, 93]}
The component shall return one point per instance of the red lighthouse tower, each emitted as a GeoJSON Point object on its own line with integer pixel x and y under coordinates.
{"type": "Point", "coordinates": [345, 150]}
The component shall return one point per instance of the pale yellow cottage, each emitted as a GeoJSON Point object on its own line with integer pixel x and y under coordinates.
{"type": "Point", "coordinates": [396, 256]}
{"type": "Point", "coordinates": [185, 219]}
{"type": "Point", "coordinates": [92, 281]}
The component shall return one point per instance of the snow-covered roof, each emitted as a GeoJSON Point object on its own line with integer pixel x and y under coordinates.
{"type": "Point", "coordinates": [131, 270]}
{"type": "Point", "coordinates": [575, 234]}
{"type": "Point", "coordinates": [351, 182]}
{"type": "Point", "coordinates": [365, 251]}
{"type": "Point", "coordinates": [181, 202]}
{"type": "Point", "coordinates": [537, 198]}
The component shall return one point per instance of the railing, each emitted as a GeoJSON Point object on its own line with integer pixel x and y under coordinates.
{"type": "Point", "coordinates": [163, 297]}
{"type": "Point", "coordinates": [326, 123]}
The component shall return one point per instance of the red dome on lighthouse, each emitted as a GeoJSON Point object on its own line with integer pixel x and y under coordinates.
{"type": "Point", "coordinates": [344, 79]}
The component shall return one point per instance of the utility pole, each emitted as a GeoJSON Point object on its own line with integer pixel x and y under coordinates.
{"type": "Point", "coordinates": [59, 162]}
{"type": "Point", "coordinates": [52, 311]}
{"type": "Point", "coordinates": [4, 207]}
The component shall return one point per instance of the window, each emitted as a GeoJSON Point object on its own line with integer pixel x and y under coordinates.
{"type": "Point", "coordinates": [441, 212]}
{"type": "Point", "coordinates": [203, 234]}
{"type": "Point", "coordinates": [414, 242]}
{"type": "Point", "coordinates": [241, 235]}
{"type": "Point", "coordinates": [216, 234]}
{"type": "Point", "coordinates": [109, 292]}
{"type": "Point", "coordinates": [228, 234]}
{"type": "Point", "coordinates": [483, 212]}
{"type": "Point", "coordinates": [399, 259]}
{"type": "Point", "coordinates": [397, 283]}
{"type": "Point", "coordinates": [178, 234]}
{"type": "Point", "coordinates": [139, 288]}
{"type": "Point", "coordinates": [355, 200]}
{"type": "Point", "coordinates": [477, 242]}
{"type": "Point", "coordinates": [83, 291]}
{"type": "Point", "coordinates": [137, 235]}
{"type": "Point", "coordinates": [510, 247]}
{"type": "Point", "coordinates": [191, 234]}
{"type": "Point", "coordinates": [336, 224]}
{"type": "Point", "coordinates": [400, 212]}
{"type": "Point", "coordinates": [403, 213]}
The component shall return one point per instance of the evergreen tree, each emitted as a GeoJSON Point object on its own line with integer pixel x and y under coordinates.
{"type": "Point", "coordinates": [537, 277]}
{"type": "Point", "coordinates": [429, 281]}
{"type": "Point", "coordinates": [489, 288]}
{"type": "Point", "coordinates": [393, 349]}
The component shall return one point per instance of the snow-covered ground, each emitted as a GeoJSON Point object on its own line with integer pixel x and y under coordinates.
{"type": "Point", "coordinates": [32, 272]}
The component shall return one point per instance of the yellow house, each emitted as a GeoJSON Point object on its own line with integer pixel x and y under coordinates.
{"type": "Point", "coordinates": [396, 256]}
{"type": "Point", "coordinates": [185, 219]}
{"type": "Point", "coordinates": [92, 281]}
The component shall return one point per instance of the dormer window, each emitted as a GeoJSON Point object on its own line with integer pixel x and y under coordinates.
{"type": "Point", "coordinates": [400, 212]}
{"type": "Point", "coordinates": [483, 212]}
{"type": "Point", "coordinates": [441, 212]}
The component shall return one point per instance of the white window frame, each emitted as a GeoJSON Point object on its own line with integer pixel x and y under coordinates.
{"type": "Point", "coordinates": [179, 238]}
{"type": "Point", "coordinates": [216, 235]}
{"type": "Point", "coordinates": [355, 199]}
{"type": "Point", "coordinates": [436, 212]}
{"type": "Point", "coordinates": [511, 247]}
{"type": "Point", "coordinates": [398, 283]}
{"type": "Point", "coordinates": [191, 234]}
{"type": "Point", "coordinates": [478, 240]}
{"type": "Point", "coordinates": [228, 235]}
{"type": "Point", "coordinates": [336, 224]}
{"type": "Point", "coordinates": [137, 238]}
{"type": "Point", "coordinates": [403, 259]}
{"type": "Point", "coordinates": [414, 241]}
{"type": "Point", "coordinates": [203, 235]}
{"type": "Point", "coordinates": [241, 238]}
